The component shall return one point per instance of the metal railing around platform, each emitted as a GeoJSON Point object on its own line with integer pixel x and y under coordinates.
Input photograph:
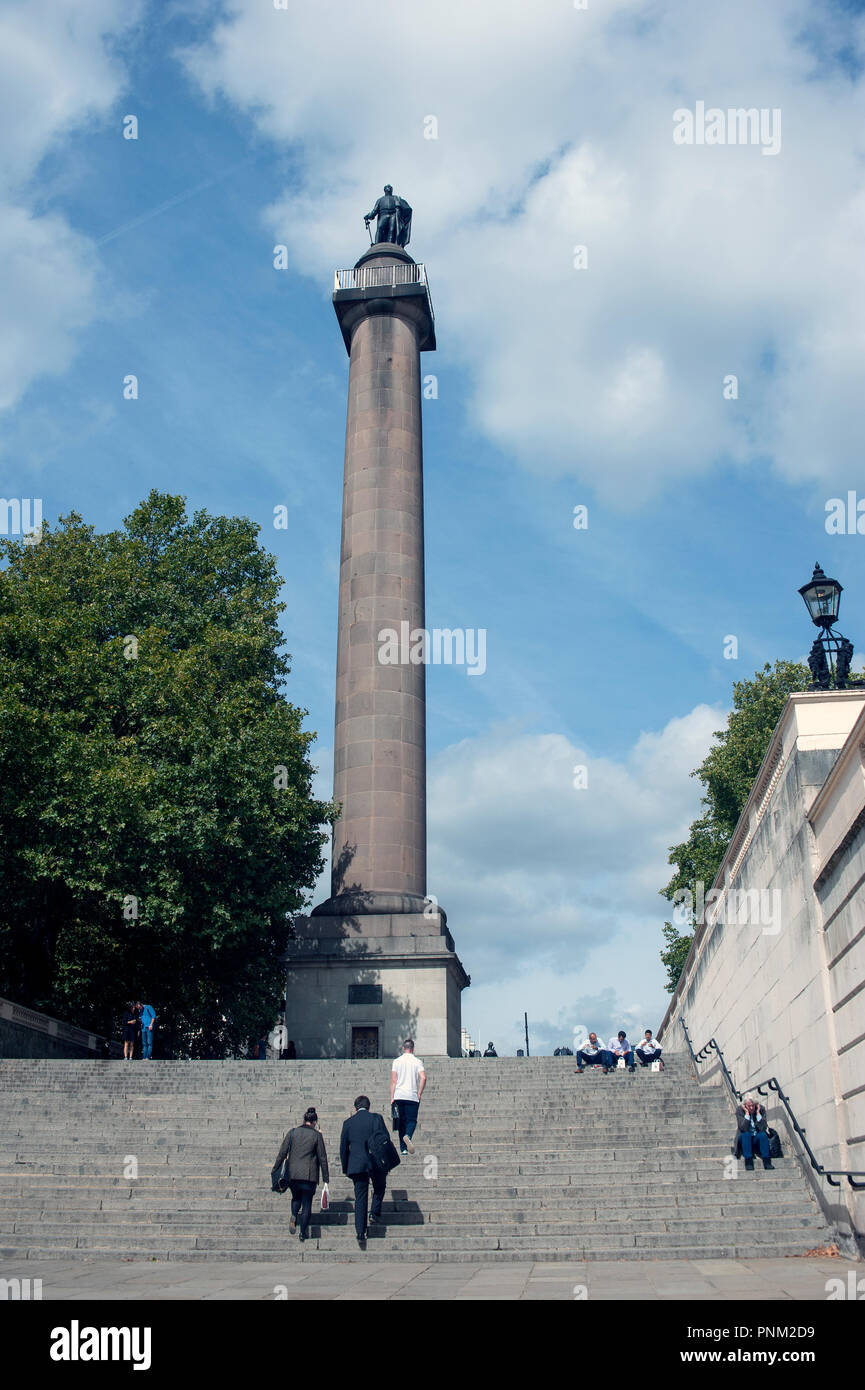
{"type": "Point", "coordinates": [832, 1175]}
{"type": "Point", "coordinates": [369, 277]}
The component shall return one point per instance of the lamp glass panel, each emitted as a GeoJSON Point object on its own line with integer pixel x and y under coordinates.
{"type": "Point", "coordinates": [822, 600]}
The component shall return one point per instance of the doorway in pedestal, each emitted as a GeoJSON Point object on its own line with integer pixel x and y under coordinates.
{"type": "Point", "coordinates": [364, 1044]}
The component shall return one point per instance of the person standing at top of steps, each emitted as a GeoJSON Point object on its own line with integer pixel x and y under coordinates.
{"type": "Point", "coordinates": [360, 1131]}
{"type": "Point", "coordinates": [148, 1018]}
{"type": "Point", "coordinates": [620, 1047]}
{"type": "Point", "coordinates": [407, 1081]}
{"type": "Point", "coordinates": [753, 1127]}
{"type": "Point", "coordinates": [591, 1054]}
{"type": "Point", "coordinates": [131, 1029]}
{"type": "Point", "coordinates": [307, 1162]}
{"type": "Point", "coordinates": [649, 1050]}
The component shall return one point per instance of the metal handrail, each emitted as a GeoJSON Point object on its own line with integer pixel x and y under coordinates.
{"type": "Point", "coordinates": [702, 1055]}
{"type": "Point", "coordinates": [830, 1174]}
{"type": "Point", "coordinates": [688, 1041]}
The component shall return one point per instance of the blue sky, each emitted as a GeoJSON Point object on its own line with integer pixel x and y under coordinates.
{"type": "Point", "coordinates": [556, 387]}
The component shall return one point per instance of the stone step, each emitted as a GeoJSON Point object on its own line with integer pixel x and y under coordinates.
{"type": "Point", "coordinates": [665, 1184]}
{"type": "Point", "coordinates": [409, 1213]}
{"type": "Point", "coordinates": [419, 1239]}
{"type": "Point", "coordinates": [310, 1253]}
{"type": "Point", "coordinates": [261, 1201]}
{"type": "Point", "coordinates": [441, 1101]}
{"type": "Point", "coordinates": [120, 1234]}
{"type": "Point", "coordinates": [340, 1067]}
{"type": "Point", "coordinates": [571, 1151]}
{"type": "Point", "coordinates": [480, 1174]}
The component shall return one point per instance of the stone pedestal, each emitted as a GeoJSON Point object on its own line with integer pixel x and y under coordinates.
{"type": "Point", "coordinates": [374, 938]}
{"type": "Point", "coordinates": [378, 979]}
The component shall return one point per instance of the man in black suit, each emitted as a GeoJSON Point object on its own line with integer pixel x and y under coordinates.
{"type": "Point", "coordinates": [357, 1165]}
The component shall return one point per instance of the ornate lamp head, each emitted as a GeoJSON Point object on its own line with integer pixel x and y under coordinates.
{"type": "Point", "coordinates": [831, 654]}
{"type": "Point", "coordinates": [822, 597]}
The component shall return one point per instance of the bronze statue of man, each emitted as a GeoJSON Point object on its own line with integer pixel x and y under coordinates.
{"type": "Point", "coordinates": [394, 218]}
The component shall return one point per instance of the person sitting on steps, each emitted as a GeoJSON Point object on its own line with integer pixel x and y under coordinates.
{"type": "Point", "coordinates": [620, 1047]}
{"type": "Point", "coordinates": [591, 1054]}
{"type": "Point", "coordinates": [649, 1051]}
{"type": "Point", "coordinates": [753, 1126]}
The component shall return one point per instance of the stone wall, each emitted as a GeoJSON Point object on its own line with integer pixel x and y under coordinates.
{"type": "Point", "coordinates": [27, 1033]}
{"type": "Point", "coordinates": [765, 987]}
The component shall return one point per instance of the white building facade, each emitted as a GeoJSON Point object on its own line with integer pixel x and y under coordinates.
{"type": "Point", "coordinates": [776, 971]}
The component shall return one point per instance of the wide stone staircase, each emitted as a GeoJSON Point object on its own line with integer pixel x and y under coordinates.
{"type": "Point", "coordinates": [516, 1159]}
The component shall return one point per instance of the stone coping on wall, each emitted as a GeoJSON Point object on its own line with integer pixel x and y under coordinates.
{"type": "Point", "coordinates": [49, 1027]}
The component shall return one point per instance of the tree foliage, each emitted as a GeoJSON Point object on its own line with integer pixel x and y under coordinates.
{"type": "Point", "coordinates": [674, 957]}
{"type": "Point", "coordinates": [727, 774]}
{"type": "Point", "coordinates": [149, 844]}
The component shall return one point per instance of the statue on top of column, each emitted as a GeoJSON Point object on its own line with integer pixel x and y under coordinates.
{"type": "Point", "coordinates": [394, 219]}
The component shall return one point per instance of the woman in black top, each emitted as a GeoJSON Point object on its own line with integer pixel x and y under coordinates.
{"type": "Point", "coordinates": [131, 1029]}
{"type": "Point", "coordinates": [307, 1161]}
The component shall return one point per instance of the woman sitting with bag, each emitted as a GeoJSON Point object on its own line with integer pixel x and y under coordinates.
{"type": "Point", "coordinates": [304, 1158]}
{"type": "Point", "coordinates": [753, 1130]}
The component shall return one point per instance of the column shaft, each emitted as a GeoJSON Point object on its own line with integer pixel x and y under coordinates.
{"type": "Point", "coordinates": [380, 732]}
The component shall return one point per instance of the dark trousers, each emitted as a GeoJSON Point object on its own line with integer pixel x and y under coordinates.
{"type": "Point", "coordinates": [646, 1058]}
{"type": "Point", "coordinates": [628, 1058]}
{"type": "Point", "coordinates": [594, 1059]}
{"type": "Point", "coordinates": [361, 1198]}
{"type": "Point", "coordinates": [748, 1138]}
{"type": "Point", "coordinates": [407, 1112]}
{"type": "Point", "coordinates": [302, 1193]}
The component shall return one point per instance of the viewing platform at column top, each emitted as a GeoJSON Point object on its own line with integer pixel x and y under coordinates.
{"type": "Point", "coordinates": [385, 280]}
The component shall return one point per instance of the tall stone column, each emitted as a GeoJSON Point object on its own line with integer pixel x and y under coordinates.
{"type": "Point", "coordinates": [379, 847]}
{"type": "Point", "coordinates": [376, 961]}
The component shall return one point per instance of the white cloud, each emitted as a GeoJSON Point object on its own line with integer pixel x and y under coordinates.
{"type": "Point", "coordinates": [547, 887]}
{"type": "Point", "coordinates": [539, 878]}
{"type": "Point", "coordinates": [555, 129]}
{"type": "Point", "coordinates": [57, 73]}
{"type": "Point", "coordinates": [47, 287]}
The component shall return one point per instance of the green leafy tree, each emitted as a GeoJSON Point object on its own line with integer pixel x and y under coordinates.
{"type": "Point", "coordinates": [727, 774]}
{"type": "Point", "coordinates": [157, 829]}
{"type": "Point", "coordinates": [674, 957]}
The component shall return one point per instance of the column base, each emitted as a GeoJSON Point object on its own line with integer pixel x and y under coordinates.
{"type": "Point", "coordinates": [359, 985]}
{"type": "Point", "coordinates": [364, 904]}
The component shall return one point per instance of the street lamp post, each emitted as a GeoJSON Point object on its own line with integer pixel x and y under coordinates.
{"type": "Point", "coordinates": [831, 654]}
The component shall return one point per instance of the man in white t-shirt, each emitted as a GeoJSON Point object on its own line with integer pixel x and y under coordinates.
{"type": "Point", "coordinates": [407, 1080]}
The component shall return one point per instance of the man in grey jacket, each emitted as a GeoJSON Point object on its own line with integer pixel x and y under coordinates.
{"type": "Point", "coordinates": [307, 1160]}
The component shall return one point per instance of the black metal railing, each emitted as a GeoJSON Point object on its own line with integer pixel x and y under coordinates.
{"type": "Point", "coordinates": [688, 1041]}
{"type": "Point", "coordinates": [832, 1175]}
